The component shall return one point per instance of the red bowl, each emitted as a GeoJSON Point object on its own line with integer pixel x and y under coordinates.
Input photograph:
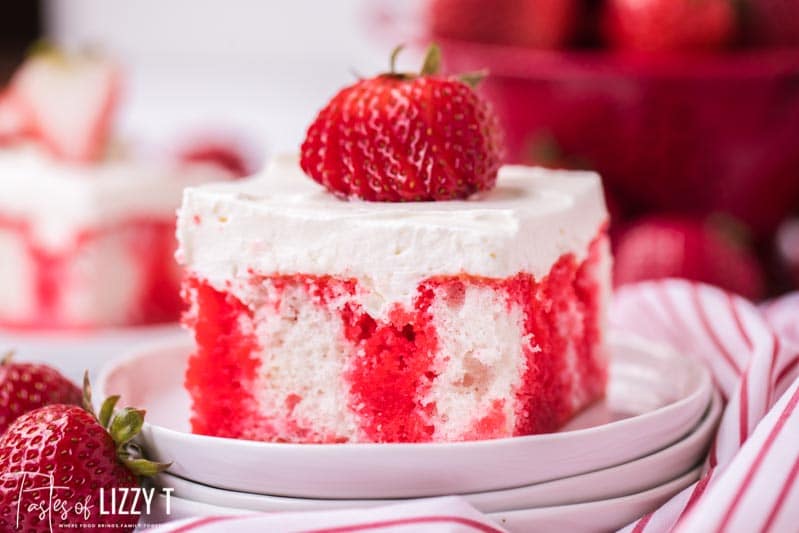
{"type": "Point", "coordinates": [694, 134]}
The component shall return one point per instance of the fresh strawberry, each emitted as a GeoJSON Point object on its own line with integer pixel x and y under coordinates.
{"type": "Point", "coordinates": [663, 247]}
{"type": "Point", "coordinates": [71, 99]}
{"type": "Point", "coordinates": [74, 458]}
{"type": "Point", "coordinates": [15, 118]}
{"type": "Point", "coordinates": [468, 20]}
{"type": "Point", "coordinates": [669, 25]}
{"type": "Point", "coordinates": [225, 154]}
{"type": "Point", "coordinates": [28, 386]}
{"type": "Point", "coordinates": [772, 22]}
{"type": "Point", "coordinates": [405, 137]}
{"type": "Point", "coordinates": [546, 24]}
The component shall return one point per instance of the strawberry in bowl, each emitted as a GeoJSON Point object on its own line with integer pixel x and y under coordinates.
{"type": "Point", "coordinates": [669, 25]}
{"type": "Point", "coordinates": [686, 107]}
{"type": "Point", "coordinates": [660, 130]}
{"type": "Point", "coordinates": [542, 24]}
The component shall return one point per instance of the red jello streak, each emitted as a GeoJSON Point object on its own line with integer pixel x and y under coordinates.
{"type": "Point", "coordinates": [393, 372]}
{"type": "Point", "coordinates": [591, 364]}
{"type": "Point", "coordinates": [224, 363]}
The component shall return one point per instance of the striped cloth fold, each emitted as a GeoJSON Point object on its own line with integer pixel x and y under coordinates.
{"type": "Point", "coordinates": [750, 481]}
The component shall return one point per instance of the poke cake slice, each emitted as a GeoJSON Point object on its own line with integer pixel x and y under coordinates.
{"type": "Point", "coordinates": [86, 226]}
{"type": "Point", "coordinates": [472, 309]}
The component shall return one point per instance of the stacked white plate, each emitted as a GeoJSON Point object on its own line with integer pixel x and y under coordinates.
{"type": "Point", "coordinates": [613, 463]}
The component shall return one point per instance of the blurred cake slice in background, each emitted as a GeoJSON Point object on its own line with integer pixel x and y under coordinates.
{"type": "Point", "coordinates": [86, 225]}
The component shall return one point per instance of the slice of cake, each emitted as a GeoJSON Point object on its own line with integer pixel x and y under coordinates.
{"type": "Point", "coordinates": [323, 319]}
{"type": "Point", "coordinates": [86, 228]}
{"type": "Point", "coordinates": [90, 246]}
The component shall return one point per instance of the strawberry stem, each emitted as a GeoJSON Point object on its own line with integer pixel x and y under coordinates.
{"type": "Point", "coordinates": [431, 66]}
{"type": "Point", "coordinates": [87, 396]}
{"type": "Point", "coordinates": [143, 467]}
{"type": "Point", "coordinates": [42, 47]}
{"type": "Point", "coordinates": [126, 425]}
{"type": "Point", "coordinates": [392, 61]}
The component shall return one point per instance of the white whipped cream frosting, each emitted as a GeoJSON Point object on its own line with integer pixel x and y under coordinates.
{"type": "Point", "coordinates": [282, 222]}
{"type": "Point", "coordinates": [59, 200]}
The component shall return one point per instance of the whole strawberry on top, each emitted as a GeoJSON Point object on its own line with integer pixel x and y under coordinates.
{"type": "Point", "coordinates": [74, 452]}
{"type": "Point", "coordinates": [405, 137]}
{"type": "Point", "coordinates": [28, 386]}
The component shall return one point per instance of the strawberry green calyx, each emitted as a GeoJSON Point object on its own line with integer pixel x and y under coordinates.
{"type": "Point", "coordinates": [432, 61]}
{"type": "Point", "coordinates": [473, 79]}
{"type": "Point", "coordinates": [392, 62]}
{"type": "Point", "coordinates": [431, 66]}
{"type": "Point", "coordinates": [123, 426]}
{"type": "Point", "coordinates": [46, 49]}
{"type": "Point", "coordinates": [107, 410]}
{"type": "Point", "coordinates": [43, 47]}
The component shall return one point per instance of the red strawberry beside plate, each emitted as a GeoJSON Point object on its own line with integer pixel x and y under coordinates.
{"type": "Point", "coordinates": [64, 466]}
{"type": "Point", "coordinates": [28, 386]}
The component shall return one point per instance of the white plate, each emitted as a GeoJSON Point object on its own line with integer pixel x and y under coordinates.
{"type": "Point", "coordinates": [601, 515]}
{"type": "Point", "coordinates": [655, 397]}
{"type": "Point", "coordinates": [74, 352]}
{"type": "Point", "coordinates": [628, 478]}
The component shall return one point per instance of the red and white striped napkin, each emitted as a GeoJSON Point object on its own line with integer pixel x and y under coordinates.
{"type": "Point", "coordinates": [751, 477]}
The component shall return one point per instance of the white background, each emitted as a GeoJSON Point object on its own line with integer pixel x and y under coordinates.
{"type": "Point", "coordinates": [263, 67]}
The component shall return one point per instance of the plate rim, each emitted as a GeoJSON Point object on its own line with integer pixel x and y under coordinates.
{"type": "Point", "coordinates": [711, 419]}
{"type": "Point", "coordinates": [667, 490]}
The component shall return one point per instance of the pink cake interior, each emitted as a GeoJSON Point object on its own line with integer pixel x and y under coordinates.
{"type": "Point", "coordinates": [472, 358]}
